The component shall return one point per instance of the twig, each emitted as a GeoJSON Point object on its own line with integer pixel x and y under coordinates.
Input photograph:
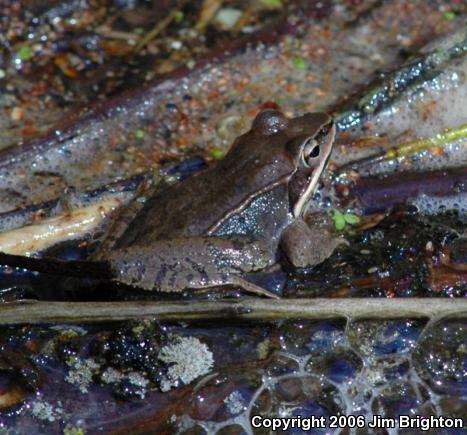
{"type": "Point", "coordinates": [45, 233]}
{"type": "Point", "coordinates": [408, 148]}
{"type": "Point", "coordinates": [208, 10]}
{"type": "Point", "coordinates": [108, 33]}
{"type": "Point", "coordinates": [156, 30]}
{"type": "Point", "coordinates": [245, 309]}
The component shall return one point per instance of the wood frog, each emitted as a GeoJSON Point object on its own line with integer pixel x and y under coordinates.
{"type": "Point", "coordinates": [233, 218]}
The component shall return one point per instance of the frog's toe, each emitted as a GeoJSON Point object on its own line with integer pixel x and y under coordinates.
{"type": "Point", "coordinates": [253, 288]}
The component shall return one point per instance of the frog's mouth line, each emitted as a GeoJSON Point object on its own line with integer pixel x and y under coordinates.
{"type": "Point", "coordinates": [328, 132]}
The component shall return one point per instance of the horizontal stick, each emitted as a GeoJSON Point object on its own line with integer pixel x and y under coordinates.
{"type": "Point", "coordinates": [245, 309]}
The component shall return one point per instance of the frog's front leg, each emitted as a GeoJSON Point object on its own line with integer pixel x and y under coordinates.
{"type": "Point", "coordinates": [192, 262]}
{"type": "Point", "coordinates": [306, 246]}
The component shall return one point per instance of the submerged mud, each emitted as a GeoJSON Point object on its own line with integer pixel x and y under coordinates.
{"type": "Point", "coordinates": [177, 379]}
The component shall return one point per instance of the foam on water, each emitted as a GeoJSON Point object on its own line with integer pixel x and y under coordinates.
{"type": "Point", "coordinates": [423, 112]}
{"type": "Point", "coordinates": [432, 205]}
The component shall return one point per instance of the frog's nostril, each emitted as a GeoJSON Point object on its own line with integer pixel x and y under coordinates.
{"type": "Point", "coordinates": [323, 133]}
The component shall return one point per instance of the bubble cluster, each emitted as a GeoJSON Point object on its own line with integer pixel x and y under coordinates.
{"type": "Point", "coordinates": [432, 205]}
{"type": "Point", "coordinates": [392, 368]}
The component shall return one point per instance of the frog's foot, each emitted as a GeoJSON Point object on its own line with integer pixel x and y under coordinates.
{"type": "Point", "coordinates": [306, 246]}
{"type": "Point", "coordinates": [252, 288]}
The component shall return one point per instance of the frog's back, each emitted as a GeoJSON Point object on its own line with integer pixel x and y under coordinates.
{"type": "Point", "coordinates": [195, 205]}
{"type": "Point", "coordinates": [187, 208]}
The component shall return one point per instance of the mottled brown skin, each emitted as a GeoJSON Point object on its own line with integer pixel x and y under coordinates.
{"type": "Point", "coordinates": [212, 228]}
{"type": "Point", "coordinates": [255, 161]}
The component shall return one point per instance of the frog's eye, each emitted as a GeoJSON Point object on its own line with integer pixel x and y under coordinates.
{"type": "Point", "coordinates": [310, 151]}
{"type": "Point", "coordinates": [313, 145]}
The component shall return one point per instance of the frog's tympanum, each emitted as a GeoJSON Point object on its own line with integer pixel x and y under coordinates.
{"type": "Point", "coordinates": [233, 218]}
